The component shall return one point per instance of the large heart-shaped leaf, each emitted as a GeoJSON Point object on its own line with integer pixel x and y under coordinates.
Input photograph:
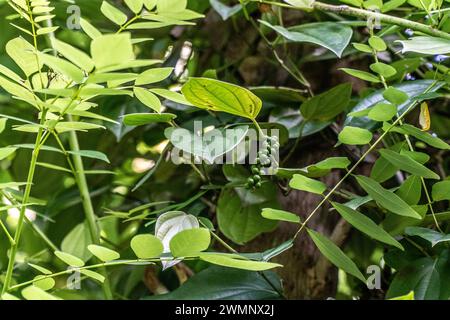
{"type": "Point", "coordinates": [220, 96]}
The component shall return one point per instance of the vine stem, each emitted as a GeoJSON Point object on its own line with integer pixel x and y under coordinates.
{"type": "Point", "coordinates": [350, 172]}
{"type": "Point", "coordinates": [366, 14]}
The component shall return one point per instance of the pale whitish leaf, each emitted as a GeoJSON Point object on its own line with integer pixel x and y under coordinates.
{"type": "Point", "coordinates": [104, 254]}
{"type": "Point", "coordinates": [113, 14]}
{"type": "Point", "coordinates": [8, 297]}
{"type": "Point", "coordinates": [74, 55]}
{"type": "Point", "coordinates": [234, 261]}
{"type": "Point", "coordinates": [336, 256]}
{"type": "Point", "coordinates": [216, 95]}
{"type": "Point", "coordinates": [148, 98]}
{"type": "Point", "coordinates": [146, 246]}
{"type": "Point", "coordinates": [112, 50]}
{"type": "Point", "coordinates": [69, 259]}
{"type": "Point", "coordinates": [426, 45]}
{"type": "Point", "coordinates": [168, 225]}
{"type": "Point", "coordinates": [190, 242]}
{"type": "Point", "coordinates": [225, 11]}
{"type": "Point", "coordinates": [387, 199]}
{"type": "Point", "coordinates": [332, 36]}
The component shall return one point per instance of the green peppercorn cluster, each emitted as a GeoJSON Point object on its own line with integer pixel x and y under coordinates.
{"type": "Point", "coordinates": [265, 159]}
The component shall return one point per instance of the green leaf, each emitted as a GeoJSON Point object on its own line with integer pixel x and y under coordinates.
{"type": "Point", "coordinates": [330, 35]}
{"type": "Point", "coordinates": [395, 96]}
{"type": "Point", "coordinates": [6, 152]}
{"type": "Point", "coordinates": [62, 66]}
{"type": "Point", "coordinates": [74, 55]}
{"type": "Point", "coordinates": [336, 256]}
{"type": "Point", "coordinates": [43, 283]}
{"type": "Point", "coordinates": [303, 183]}
{"type": "Point", "coordinates": [220, 96]}
{"type": "Point", "coordinates": [430, 235]}
{"type": "Point", "coordinates": [113, 14]}
{"type": "Point", "coordinates": [153, 76]}
{"type": "Point", "coordinates": [148, 99]}
{"type": "Point", "coordinates": [365, 225]}
{"type": "Point", "coordinates": [190, 242]}
{"type": "Point", "coordinates": [140, 119]}
{"type": "Point", "coordinates": [280, 215]}
{"type": "Point", "coordinates": [69, 259]}
{"type": "Point", "coordinates": [355, 136]}
{"type": "Point", "coordinates": [383, 69]}
{"type": "Point", "coordinates": [239, 212]}
{"type": "Point", "coordinates": [119, 51]}
{"type": "Point", "coordinates": [91, 154]}
{"type": "Point", "coordinates": [441, 191]}
{"type": "Point", "coordinates": [90, 30]}
{"type": "Point", "coordinates": [232, 262]}
{"type": "Point", "coordinates": [328, 105]}
{"type": "Point", "coordinates": [3, 124]}
{"type": "Point", "coordinates": [426, 45]}
{"type": "Point", "coordinates": [386, 198]}
{"type": "Point", "coordinates": [40, 269]}
{"type": "Point", "coordinates": [93, 275]}
{"type": "Point", "coordinates": [221, 283]}
{"type": "Point", "coordinates": [104, 254]}
{"type": "Point", "coordinates": [35, 293]}
{"type": "Point", "coordinates": [23, 55]}
{"type": "Point", "coordinates": [170, 95]}
{"type": "Point", "coordinates": [363, 75]}
{"type": "Point", "coordinates": [411, 88]}
{"type": "Point", "coordinates": [377, 43]}
{"type": "Point", "coordinates": [146, 246]}
{"type": "Point", "coordinates": [382, 112]}
{"type": "Point", "coordinates": [423, 136]}
{"type": "Point", "coordinates": [408, 164]}
{"type": "Point", "coordinates": [135, 5]}
{"type": "Point", "coordinates": [411, 190]}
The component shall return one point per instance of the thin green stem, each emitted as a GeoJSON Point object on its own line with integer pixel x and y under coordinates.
{"type": "Point", "coordinates": [350, 172]}
{"type": "Point", "coordinates": [26, 196]}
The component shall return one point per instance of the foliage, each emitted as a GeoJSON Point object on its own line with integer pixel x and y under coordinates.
{"type": "Point", "coordinates": [89, 121]}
